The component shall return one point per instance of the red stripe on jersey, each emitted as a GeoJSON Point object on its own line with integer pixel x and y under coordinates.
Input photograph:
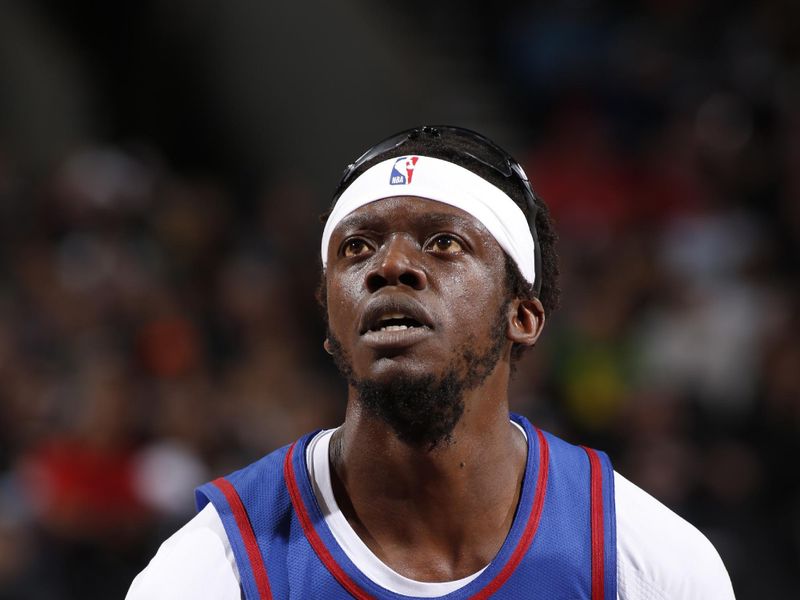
{"type": "Point", "coordinates": [248, 537]}
{"type": "Point", "coordinates": [311, 534]}
{"type": "Point", "coordinates": [530, 528]}
{"type": "Point", "coordinates": [598, 558]}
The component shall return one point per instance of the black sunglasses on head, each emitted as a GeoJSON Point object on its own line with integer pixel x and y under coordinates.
{"type": "Point", "coordinates": [467, 143]}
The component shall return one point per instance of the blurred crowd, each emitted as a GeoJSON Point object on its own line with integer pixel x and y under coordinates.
{"type": "Point", "coordinates": [157, 329]}
{"type": "Point", "coordinates": [667, 142]}
{"type": "Point", "coordinates": [149, 339]}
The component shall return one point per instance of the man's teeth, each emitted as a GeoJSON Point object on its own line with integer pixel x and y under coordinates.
{"type": "Point", "coordinates": [394, 328]}
{"type": "Point", "coordinates": [389, 322]}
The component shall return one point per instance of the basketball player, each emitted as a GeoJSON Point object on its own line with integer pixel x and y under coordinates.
{"type": "Point", "coordinates": [439, 269]}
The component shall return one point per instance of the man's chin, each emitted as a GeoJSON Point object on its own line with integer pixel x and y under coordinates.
{"type": "Point", "coordinates": [390, 369]}
{"type": "Point", "coordinates": [422, 411]}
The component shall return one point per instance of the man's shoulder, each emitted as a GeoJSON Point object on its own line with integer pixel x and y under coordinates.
{"type": "Point", "coordinates": [195, 562]}
{"type": "Point", "coordinates": [260, 481]}
{"type": "Point", "coordinates": [660, 555]}
{"type": "Point", "coordinates": [270, 463]}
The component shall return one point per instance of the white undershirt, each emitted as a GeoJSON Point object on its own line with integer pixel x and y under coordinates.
{"type": "Point", "coordinates": [660, 556]}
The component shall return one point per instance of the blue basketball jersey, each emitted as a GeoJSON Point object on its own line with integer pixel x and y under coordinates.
{"type": "Point", "coordinates": [561, 545]}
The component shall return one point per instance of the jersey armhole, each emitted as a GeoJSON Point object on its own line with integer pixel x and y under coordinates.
{"type": "Point", "coordinates": [225, 499]}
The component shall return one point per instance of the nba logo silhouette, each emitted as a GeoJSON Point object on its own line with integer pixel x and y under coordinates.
{"type": "Point", "coordinates": [403, 170]}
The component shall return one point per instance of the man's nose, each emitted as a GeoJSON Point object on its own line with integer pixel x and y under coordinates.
{"type": "Point", "coordinates": [398, 263]}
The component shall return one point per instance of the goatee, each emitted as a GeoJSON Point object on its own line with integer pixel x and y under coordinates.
{"type": "Point", "coordinates": [424, 410]}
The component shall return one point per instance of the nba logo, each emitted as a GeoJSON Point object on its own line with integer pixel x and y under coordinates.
{"type": "Point", "coordinates": [403, 170]}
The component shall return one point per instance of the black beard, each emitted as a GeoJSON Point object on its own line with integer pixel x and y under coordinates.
{"type": "Point", "coordinates": [424, 410]}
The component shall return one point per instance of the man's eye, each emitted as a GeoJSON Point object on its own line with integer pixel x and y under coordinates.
{"type": "Point", "coordinates": [445, 243]}
{"type": "Point", "coordinates": [355, 247]}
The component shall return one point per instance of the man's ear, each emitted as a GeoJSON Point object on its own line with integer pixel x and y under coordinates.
{"type": "Point", "coordinates": [526, 321]}
{"type": "Point", "coordinates": [327, 345]}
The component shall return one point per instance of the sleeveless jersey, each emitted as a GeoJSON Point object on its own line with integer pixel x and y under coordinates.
{"type": "Point", "coordinates": [561, 545]}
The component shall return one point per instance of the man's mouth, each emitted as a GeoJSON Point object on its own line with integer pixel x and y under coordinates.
{"type": "Point", "coordinates": [393, 323]}
{"type": "Point", "coordinates": [394, 314]}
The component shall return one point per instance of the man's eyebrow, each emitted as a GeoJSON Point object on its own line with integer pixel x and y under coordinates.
{"type": "Point", "coordinates": [362, 221]}
{"type": "Point", "coordinates": [427, 220]}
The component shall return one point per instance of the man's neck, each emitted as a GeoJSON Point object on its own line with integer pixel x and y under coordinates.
{"type": "Point", "coordinates": [431, 514]}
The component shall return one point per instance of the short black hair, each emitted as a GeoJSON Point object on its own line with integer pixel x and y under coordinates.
{"type": "Point", "coordinates": [466, 152]}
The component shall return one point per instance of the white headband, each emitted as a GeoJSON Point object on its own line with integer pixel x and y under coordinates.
{"type": "Point", "coordinates": [442, 181]}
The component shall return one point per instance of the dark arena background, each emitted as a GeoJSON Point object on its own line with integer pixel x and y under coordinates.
{"type": "Point", "coordinates": [162, 169]}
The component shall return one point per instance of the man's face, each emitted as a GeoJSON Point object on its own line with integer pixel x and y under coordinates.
{"type": "Point", "coordinates": [415, 291]}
